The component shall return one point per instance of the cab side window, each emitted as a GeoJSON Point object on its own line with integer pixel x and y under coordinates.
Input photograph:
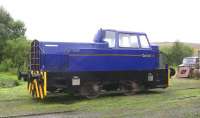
{"type": "Point", "coordinates": [128, 41]}
{"type": "Point", "coordinates": [110, 38]}
{"type": "Point", "coordinates": [144, 42]}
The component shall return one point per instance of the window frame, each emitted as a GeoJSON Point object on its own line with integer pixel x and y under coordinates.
{"type": "Point", "coordinates": [115, 39]}
{"type": "Point", "coordinates": [146, 39]}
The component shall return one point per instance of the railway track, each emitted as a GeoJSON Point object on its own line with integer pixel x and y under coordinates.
{"type": "Point", "coordinates": [38, 114]}
{"type": "Point", "coordinates": [186, 88]}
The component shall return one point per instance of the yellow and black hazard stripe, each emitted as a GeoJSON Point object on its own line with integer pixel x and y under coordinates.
{"type": "Point", "coordinates": [38, 86]}
{"type": "Point", "coordinates": [168, 75]}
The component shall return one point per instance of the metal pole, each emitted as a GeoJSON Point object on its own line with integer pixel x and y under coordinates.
{"type": "Point", "coordinates": [199, 58]}
{"type": "Point", "coordinates": [199, 53]}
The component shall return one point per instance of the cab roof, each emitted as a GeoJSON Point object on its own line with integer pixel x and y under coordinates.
{"type": "Point", "coordinates": [125, 32]}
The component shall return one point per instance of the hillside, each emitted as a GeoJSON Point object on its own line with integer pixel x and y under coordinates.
{"type": "Point", "coordinates": [193, 45]}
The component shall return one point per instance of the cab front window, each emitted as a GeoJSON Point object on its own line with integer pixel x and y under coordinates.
{"type": "Point", "coordinates": [144, 42]}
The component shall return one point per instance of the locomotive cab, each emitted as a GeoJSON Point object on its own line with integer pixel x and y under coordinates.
{"type": "Point", "coordinates": [122, 39]}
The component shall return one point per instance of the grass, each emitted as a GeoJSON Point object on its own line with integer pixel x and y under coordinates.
{"type": "Point", "coordinates": [181, 99]}
{"type": "Point", "coordinates": [8, 80]}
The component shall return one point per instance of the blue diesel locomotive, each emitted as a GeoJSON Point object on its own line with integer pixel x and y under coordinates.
{"type": "Point", "coordinates": [117, 61]}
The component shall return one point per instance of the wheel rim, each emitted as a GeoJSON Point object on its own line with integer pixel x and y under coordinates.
{"type": "Point", "coordinates": [130, 88]}
{"type": "Point", "coordinates": [90, 90]}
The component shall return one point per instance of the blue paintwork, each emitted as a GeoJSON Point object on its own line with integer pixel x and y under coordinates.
{"type": "Point", "coordinates": [97, 56]}
{"type": "Point", "coordinates": [113, 63]}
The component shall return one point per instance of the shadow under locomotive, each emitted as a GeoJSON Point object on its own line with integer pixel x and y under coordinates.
{"type": "Point", "coordinates": [66, 98]}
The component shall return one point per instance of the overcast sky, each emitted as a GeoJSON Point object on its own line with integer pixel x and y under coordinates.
{"type": "Point", "coordinates": [78, 20]}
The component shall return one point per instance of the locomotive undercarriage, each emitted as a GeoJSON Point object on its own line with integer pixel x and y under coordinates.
{"type": "Point", "coordinates": [91, 85]}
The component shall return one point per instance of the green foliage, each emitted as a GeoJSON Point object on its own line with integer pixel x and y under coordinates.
{"type": "Point", "coordinates": [6, 65]}
{"type": "Point", "coordinates": [9, 29]}
{"type": "Point", "coordinates": [13, 43]}
{"type": "Point", "coordinates": [15, 54]}
{"type": "Point", "coordinates": [176, 53]}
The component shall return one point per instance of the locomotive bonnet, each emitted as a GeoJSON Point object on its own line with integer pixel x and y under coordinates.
{"type": "Point", "coordinates": [116, 62]}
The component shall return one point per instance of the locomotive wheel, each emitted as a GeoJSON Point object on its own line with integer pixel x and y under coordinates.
{"type": "Point", "coordinates": [90, 90]}
{"type": "Point", "coordinates": [130, 88]}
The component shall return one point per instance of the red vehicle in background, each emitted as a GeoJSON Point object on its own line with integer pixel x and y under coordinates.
{"type": "Point", "coordinates": [189, 68]}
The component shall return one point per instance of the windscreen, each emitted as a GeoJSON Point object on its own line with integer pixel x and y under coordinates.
{"type": "Point", "coordinates": [144, 42]}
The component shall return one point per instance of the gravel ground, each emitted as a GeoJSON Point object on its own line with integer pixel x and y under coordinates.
{"type": "Point", "coordinates": [67, 115]}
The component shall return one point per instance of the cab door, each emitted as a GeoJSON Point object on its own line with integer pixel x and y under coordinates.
{"type": "Point", "coordinates": [137, 50]}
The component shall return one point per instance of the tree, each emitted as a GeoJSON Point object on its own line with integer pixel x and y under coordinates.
{"type": "Point", "coordinates": [9, 29]}
{"type": "Point", "coordinates": [15, 53]}
{"type": "Point", "coordinates": [177, 52]}
{"type": "Point", "coordinates": [13, 43]}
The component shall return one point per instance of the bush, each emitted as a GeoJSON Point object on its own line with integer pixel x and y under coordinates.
{"type": "Point", "coordinates": [8, 80]}
{"type": "Point", "coordinates": [9, 83]}
{"type": "Point", "coordinates": [6, 65]}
